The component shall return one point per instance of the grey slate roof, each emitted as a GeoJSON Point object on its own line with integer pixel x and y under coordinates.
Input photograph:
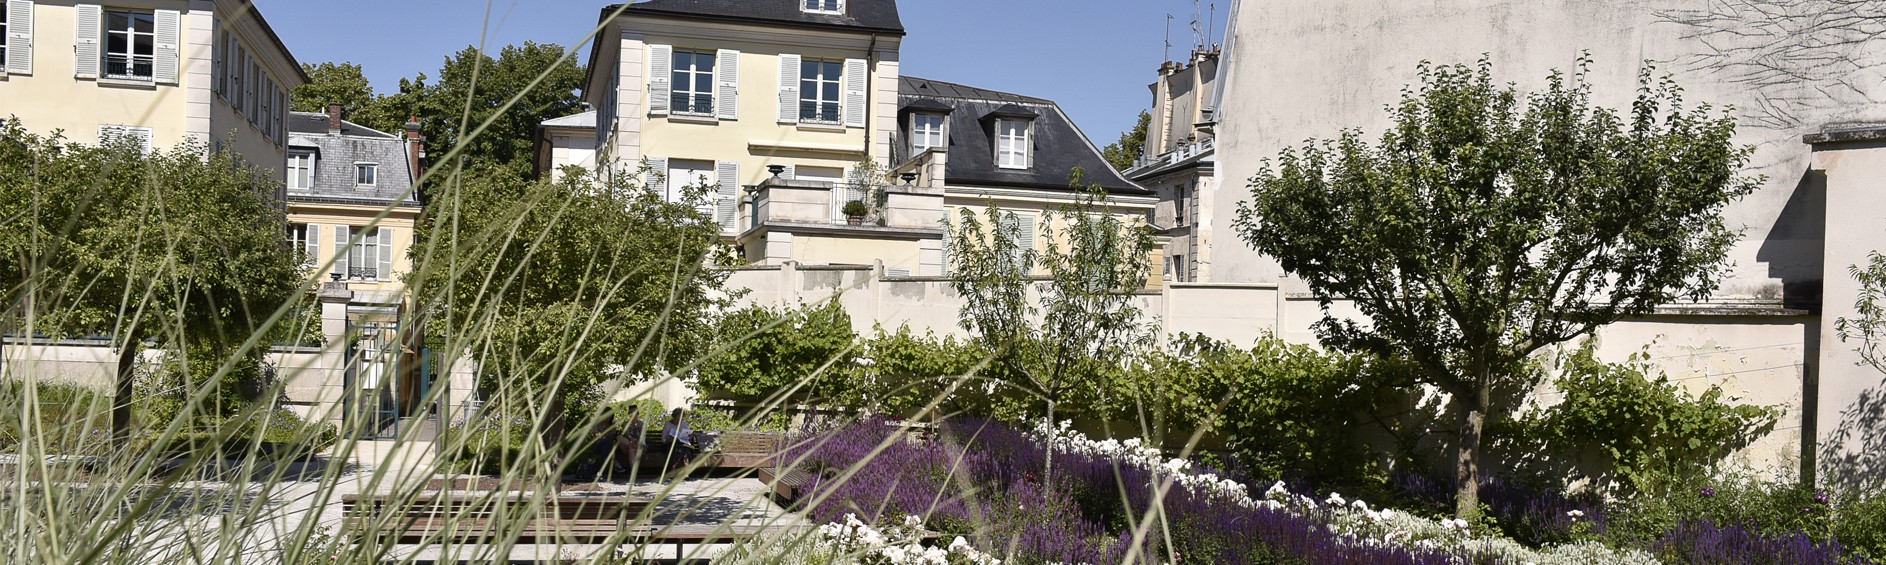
{"type": "Point", "coordinates": [861, 15]}
{"type": "Point", "coordinates": [1059, 145]}
{"type": "Point", "coordinates": [335, 157]}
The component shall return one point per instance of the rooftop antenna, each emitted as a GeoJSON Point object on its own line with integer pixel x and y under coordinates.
{"type": "Point", "coordinates": [1198, 35]}
{"type": "Point", "coordinates": [1168, 38]}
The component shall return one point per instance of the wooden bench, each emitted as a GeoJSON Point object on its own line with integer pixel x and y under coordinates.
{"type": "Point", "coordinates": [735, 450]}
{"type": "Point", "coordinates": [478, 518]}
{"type": "Point", "coordinates": [787, 485]}
{"type": "Point", "coordinates": [475, 517]}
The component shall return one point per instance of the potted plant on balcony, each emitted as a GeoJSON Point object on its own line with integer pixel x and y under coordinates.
{"type": "Point", "coordinates": [854, 212]}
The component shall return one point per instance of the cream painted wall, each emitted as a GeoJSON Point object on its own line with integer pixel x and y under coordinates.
{"type": "Point", "coordinates": [1298, 69]}
{"type": "Point", "coordinates": [330, 215]}
{"type": "Point", "coordinates": [853, 250]}
{"type": "Point", "coordinates": [571, 148]}
{"type": "Point", "coordinates": [51, 99]}
{"type": "Point", "coordinates": [756, 139]}
{"type": "Point", "coordinates": [1848, 394]}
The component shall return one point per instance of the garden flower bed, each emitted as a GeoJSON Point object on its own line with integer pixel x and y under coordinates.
{"type": "Point", "coordinates": [985, 488]}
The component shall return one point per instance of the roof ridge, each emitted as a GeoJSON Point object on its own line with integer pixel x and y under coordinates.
{"type": "Point", "coordinates": [1025, 98]}
{"type": "Point", "coordinates": [323, 116]}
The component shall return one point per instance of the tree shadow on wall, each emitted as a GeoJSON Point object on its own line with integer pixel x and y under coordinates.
{"type": "Point", "coordinates": [1853, 455]}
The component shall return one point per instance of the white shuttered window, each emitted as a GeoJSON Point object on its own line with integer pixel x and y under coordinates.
{"type": "Point", "coordinates": [16, 37]}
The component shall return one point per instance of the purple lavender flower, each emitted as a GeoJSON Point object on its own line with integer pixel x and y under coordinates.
{"type": "Point", "coordinates": [1821, 497]}
{"type": "Point", "coordinates": [1709, 492]}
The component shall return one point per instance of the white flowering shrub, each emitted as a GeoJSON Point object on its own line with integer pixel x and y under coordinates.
{"type": "Point", "coordinates": [1352, 520]}
{"type": "Point", "coordinates": [855, 542]}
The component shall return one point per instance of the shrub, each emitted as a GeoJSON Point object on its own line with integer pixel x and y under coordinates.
{"type": "Point", "coordinates": [1648, 431]}
{"type": "Point", "coordinates": [1707, 542]}
{"type": "Point", "coordinates": [1859, 523]}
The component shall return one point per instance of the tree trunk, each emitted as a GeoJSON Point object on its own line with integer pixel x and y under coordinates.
{"type": "Point", "coordinates": [121, 398]}
{"type": "Point", "coordinates": [1048, 470]}
{"type": "Point", "coordinates": [1473, 425]}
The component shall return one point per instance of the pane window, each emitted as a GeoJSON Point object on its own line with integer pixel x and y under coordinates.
{"type": "Point", "coordinates": [693, 91]}
{"type": "Point", "coordinates": [687, 175]}
{"type": "Point", "coordinates": [823, 5]}
{"type": "Point", "coordinates": [818, 90]}
{"type": "Point", "coordinates": [300, 242]}
{"type": "Point", "coordinates": [130, 44]}
{"type": "Point", "coordinates": [926, 131]}
{"type": "Point", "coordinates": [1011, 148]}
{"type": "Point", "coordinates": [3, 37]}
{"type": "Point", "coordinates": [366, 174]}
{"type": "Point", "coordinates": [363, 262]}
{"type": "Point", "coordinates": [300, 171]}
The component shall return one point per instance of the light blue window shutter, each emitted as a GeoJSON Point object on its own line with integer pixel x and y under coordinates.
{"type": "Point", "coordinates": [788, 88]}
{"type": "Point", "coordinates": [727, 85]}
{"type": "Point", "coordinates": [660, 73]}
{"type": "Point", "coordinates": [169, 34]}
{"type": "Point", "coordinates": [386, 254]}
{"type": "Point", "coordinates": [89, 25]}
{"type": "Point", "coordinates": [657, 180]}
{"type": "Point", "coordinates": [312, 245]}
{"type": "Point", "coordinates": [340, 251]}
{"type": "Point", "coordinates": [856, 79]}
{"type": "Point", "coordinates": [789, 172]}
{"type": "Point", "coordinates": [19, 37]}
{"type": "Point", "coordinates": [727, 202]}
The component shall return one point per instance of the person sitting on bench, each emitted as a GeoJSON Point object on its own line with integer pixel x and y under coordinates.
{"type": "Point", "coordinates": [677, 440]}
{"type": "Point", "coordinates": [616, 449]}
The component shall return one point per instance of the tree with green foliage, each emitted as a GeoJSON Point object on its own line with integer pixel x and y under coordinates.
{"type": "Point", "coordinates": [558, 288]}
{"type": "Point", "coordinates": [336, 83]}
{"type": "Point", "coordinates": [473, 88]}
{"type": "Point", "coordinates": [182, 248]}
{"type": "Point", "coordinates": [1131, 146]}
{"type": "Point", "coordinates": [1081, 320]}
{"type": "Point", "coordinates": [775, 355]}
{"type": "Point", "coordinates": [1487, 225]}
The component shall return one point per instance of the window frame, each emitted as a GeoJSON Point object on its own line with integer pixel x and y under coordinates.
{"type": "Point", "coordinates": [1026, 141]}
{"type": "Point", "coordinates": [143, 133]}
{"type": "Point", "coordinates": [812, 104]}
{"type": "Point", "coordinates": [363, 254]}
{"type": "Point", "coordinates": [298, 240]}
{"type": "Point", "coordinates": [131, 36]}
{"type": "Point", "coordinates": [371, 170]}
{"type": "Point", "coordinates": [4, 25]}
{"type": "Point", "coordinates": [675, 93]}
{"type": "Point", "coordinates": [294, 171]}
{"type": "Point", "coordinates": [837, 6]}
{"type": "Point", "coordinates": [942, 131]}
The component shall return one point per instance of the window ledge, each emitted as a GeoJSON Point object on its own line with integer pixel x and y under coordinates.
{"type": "Point", "coordinates": [141, 84]}
{"type": "Point", "coordinates": [708, 119]}
{"type": "Point", "coordinates": [822, 126]}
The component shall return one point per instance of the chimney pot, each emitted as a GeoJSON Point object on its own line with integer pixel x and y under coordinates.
{"type": "Point", "coordinates": [333, 119]}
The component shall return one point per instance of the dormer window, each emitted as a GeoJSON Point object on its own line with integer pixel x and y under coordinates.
{"type": "Point", "coordinates": [926, 131]}
{"type": "Point", "coordinates": [824, 6]}
{"type": "Point", "coordinates": [1011, 143]}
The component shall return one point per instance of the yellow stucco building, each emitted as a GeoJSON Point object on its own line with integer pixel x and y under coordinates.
{"type": "Point", "coordinates": [160, 71]}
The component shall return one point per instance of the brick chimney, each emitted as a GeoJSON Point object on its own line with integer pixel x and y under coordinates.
{"type": "Point", "coordinates": [333, 119]}
{"type": "Point", "coordinates": [415, 148]}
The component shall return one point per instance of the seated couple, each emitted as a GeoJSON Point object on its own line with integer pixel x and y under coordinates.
{"type": "Point", "coordinates": [620, 448]}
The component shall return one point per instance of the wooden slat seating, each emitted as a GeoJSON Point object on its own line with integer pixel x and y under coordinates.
{"type": "Point", "coordinates": [474, 518]}
{"type": "Point", "coordinates": [736, 450]}
{"type": "Point", "coordinates": [786, 484]}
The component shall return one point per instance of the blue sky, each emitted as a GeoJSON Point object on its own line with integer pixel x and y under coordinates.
{"type": "Point", "coordinates": [1095, 57]}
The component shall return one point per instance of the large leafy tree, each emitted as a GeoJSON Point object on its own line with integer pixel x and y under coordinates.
{"type": "Point", "coordinates": [474, 87]}
{"type": "Point", "coordinates": [1486, 225]}
{"type": "Point", "coordinates": [335, 83]}
{"type": "Point", "coordinates": [556, 288]}
{"type": "Point", "coordinates": [1052, 343]}
{"type": "Point", "coordinates": [181, 248]}
{"type": "Point", "coordinates": [1132, 144]}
